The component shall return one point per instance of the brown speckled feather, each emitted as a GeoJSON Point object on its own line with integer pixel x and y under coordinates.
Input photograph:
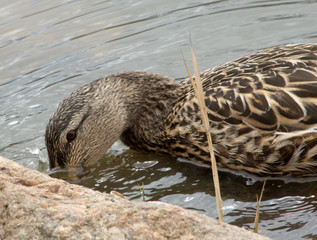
{"type": "Point", "coordinates": [262, 110]}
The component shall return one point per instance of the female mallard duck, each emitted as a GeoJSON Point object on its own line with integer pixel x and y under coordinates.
{"type": "Point", "coordinates": [262, 110]}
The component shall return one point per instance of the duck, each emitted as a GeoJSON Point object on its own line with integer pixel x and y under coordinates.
{"type": "Point", "coordinates": [262, 111]}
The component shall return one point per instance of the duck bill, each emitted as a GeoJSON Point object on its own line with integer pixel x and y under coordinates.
{"type": "Point", "coordinates": [69, 173]}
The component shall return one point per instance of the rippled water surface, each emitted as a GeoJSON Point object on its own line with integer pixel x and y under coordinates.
{"type": "Point", "coordinates": [49, 48]}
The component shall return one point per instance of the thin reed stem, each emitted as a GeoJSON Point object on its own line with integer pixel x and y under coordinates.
{"type": "Point", "coordinates": [197, 85]}
{"type": "Point", "coordinates": [257, 215]}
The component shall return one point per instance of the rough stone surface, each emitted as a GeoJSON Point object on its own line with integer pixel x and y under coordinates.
{"type": "Point", "coordinates": [36, 206]}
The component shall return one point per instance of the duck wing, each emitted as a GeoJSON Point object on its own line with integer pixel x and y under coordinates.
{"type": "Point", "coordinates": [272, 90]}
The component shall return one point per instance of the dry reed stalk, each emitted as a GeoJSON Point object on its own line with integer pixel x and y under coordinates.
{"type": "Point", "coordinates": [257, 215]}
{"type": "Point", "coordinates": [197, 85]}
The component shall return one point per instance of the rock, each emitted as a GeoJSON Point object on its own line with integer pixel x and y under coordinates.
{"type": "Point", "coordinates": [36, 206]}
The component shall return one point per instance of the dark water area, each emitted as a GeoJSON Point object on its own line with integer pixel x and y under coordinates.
{"type": "Point", "coordinates": [49, 48]}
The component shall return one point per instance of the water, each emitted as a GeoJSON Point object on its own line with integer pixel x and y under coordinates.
{"type": "Point", "coordinates": [49, 48]}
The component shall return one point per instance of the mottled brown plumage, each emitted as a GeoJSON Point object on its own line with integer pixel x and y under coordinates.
{"type": "Point", "coordinates": [262, 110]}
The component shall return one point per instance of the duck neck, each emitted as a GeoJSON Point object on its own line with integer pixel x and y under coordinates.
{"type": "Point", "coordinates": [148, 99]}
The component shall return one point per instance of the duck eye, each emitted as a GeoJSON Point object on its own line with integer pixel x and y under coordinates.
{"type": "Point", "coordinates": [71, 135]}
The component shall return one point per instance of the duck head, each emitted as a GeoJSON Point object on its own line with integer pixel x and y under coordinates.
{"type": "Point", "coordinates": [84, 126]}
